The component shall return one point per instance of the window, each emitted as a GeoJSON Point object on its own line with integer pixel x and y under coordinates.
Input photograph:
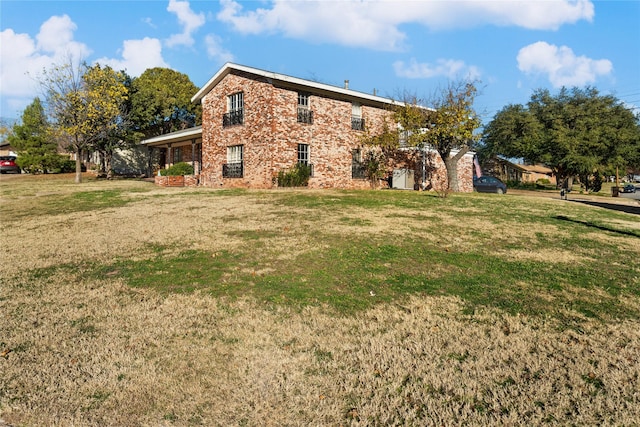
{"type": "Point", "coordinates": [357, 122]}
{"type": "Point", "coordinates": [303, 157]}
{"type": "Point", "coordinates": [235, 102]}
{"type": "Point", "coordinates": [234, 168]}
{"type": "Point", "coordinates": [303, 100]}
{"type": "Point", "coordinates": [235, 110]}
{"type": "Point", "coordinates": [303, 154]}
{"type": "Point", "coordinates": [356, 110]}
{"type": "Point", "coordinates": [234, 154]}
{"type": "Point", "coordinates": [305, 115]}
{"type": "Point", "coordinates": [357, 167]}
{"type": "Point", "coordinates": [176, 155]}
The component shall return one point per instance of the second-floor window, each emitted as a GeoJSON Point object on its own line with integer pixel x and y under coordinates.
{"type": "Point", "coordinates": [305, 115]}
{"type": "Point", "coordinates": [357, 122]}
{"type": "Point", "coordinates": [235, 110]}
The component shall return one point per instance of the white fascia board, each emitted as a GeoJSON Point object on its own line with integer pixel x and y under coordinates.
{"type": "Point", "coordinates": [178, 136]}
{"type": "Point", "coordinates": [291, 81]}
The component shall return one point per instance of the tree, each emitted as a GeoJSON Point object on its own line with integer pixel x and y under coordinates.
{"type": "Point", "coordinates": [85, 103]}
{"type": "Point", "coordinates": [118, 134]}
{"type": "Point", "coordinates": [161, 102]}
{"type": "Point", "coordinates": [449, 125]}
{"type": "Point", "coordinates": [577, 132]}
{"type": "Point", "coordinates": [38, 151]}
{"type": "Point", "coordinates": [514, 132]}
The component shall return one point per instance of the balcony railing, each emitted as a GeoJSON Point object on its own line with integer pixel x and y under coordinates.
{"type": "Point", "coordinates": [358, 170]}
{"type": "Point", "coordinates": [357, 123]}
{"type": "Point", "coordinates": [233, 170]}
{"type": "Point", "coordinates": [233, 118]}
{"type": "Point", "coordinates": [305, 115]}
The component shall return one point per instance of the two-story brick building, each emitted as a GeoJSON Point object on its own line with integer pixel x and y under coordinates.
{"type": "Point", "coordinates": [256, 123]}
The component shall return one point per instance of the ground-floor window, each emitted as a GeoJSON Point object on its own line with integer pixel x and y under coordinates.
{"type": "Point", "coordinates": [234, 168]}
{"type": "Point", "coordinates": [357, 166]}
{"type": "Point", "coordinates": [303, 154]}
{"type": "Point", "coordinates": [176, 156]}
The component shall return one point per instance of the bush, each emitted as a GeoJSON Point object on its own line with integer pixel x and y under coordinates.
{"type": "Point", "coordinates": [66, 166]}
{"type": "Point", "coordinates": [182, 168]}
{"type": "Point", "coordinates": [297, 176]}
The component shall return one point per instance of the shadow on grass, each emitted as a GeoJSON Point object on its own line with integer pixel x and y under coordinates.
{"type": "Point", "coordinates": [613, 206]}
{"type": "Point", "coordinates": [598, 226]}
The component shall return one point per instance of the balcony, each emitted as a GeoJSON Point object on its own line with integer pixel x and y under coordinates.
{"type": "Point", "coordinates": [357, 123]}
{"type": "Point", "coordinates": [233, 118]}
{"type": "Point", "coordinates": [233, 170]}
{"type": "Point", "coordinates": [305, 115]}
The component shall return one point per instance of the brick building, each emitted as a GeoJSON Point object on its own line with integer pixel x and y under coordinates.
{"type": "Point", "coordinates": [256, 123]}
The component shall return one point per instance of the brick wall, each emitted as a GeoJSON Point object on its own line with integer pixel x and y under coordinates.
{"type": "Point", "coordinates": [177, 181]}
{"type": "Point", "coordinates": [271, 133]}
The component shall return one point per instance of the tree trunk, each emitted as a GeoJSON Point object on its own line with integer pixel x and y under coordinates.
{"type": "Point", "coordinates": [108, 156]}
{"type": "Point", "coordinates": [452, 174]}
{"type": "Point", "coordinates": [451, 164]}
{"type": "Point", "coordinates": [78, 165]}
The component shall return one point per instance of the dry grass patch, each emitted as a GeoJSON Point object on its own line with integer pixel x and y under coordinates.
{"type": "Point", "coordinates": [90, 349]}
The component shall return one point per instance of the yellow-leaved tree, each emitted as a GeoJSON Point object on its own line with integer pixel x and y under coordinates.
{"type": "Point", "coordinates": [85, 104]}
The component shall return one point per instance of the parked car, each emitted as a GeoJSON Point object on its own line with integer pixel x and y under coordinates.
{"type": "Point", "coordinates": [489, 184]}
{"type": "Point", "coordinates": [8, 165]}
{"type": "Point", "coordinates": [629, 188]}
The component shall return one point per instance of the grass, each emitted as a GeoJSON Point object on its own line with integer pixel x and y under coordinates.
{"type": "Point", "coordinates": [345, 266]}
{"type": "Point", "coordinates": [202, 307]}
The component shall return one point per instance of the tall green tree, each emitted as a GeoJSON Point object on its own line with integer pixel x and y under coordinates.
{"type": "Point", "coordinates": [161, 102]}
{"type": "Point", "coordinates": [448, 126]}
{"type": "Point", "coordinates": [84, 102]}
{"type": "Point", "coordinates": [34, 142]}
{"type": "Point", "coordinates": [577, 132]}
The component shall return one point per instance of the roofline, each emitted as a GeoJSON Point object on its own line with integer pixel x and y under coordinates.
{"type": "Point", "coordinates": [291, 81]}
{"type": "Point", "coordinates": [176, 136]}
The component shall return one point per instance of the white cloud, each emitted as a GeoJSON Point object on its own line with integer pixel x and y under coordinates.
{"type": "Point", "coordinates": [560, 65]}
{"type": "Point", "coordinates": [348, 23]}
{"type": "Point", "coordinates": [23, 58]}
{"type": "Point", "coordinates": [189, 20]}
{"type": "Point", "coordinates": [137, 56]}
{"type": "Point", "coordinates": [375, 24]}
{"type": "Point", "coordinates": [451, 68]}
{"type": "Point", "coordinates": [215, 49]}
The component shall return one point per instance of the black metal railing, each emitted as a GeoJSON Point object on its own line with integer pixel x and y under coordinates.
{"type": "Point", "coordinates": [357, 123]}
{"type": "Point", "coordinates": [305, 115]}
{"type": "Point", "coordinates": [233, 170]}
{"type": "Point", "coordinates": [233, 118]}
{"type": "Point", "coordinates": [358, 170]}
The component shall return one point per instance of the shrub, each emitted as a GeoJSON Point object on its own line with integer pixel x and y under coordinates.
{"type": "Point", "coordinates": [66, 166]}
{"type": "Point", "coordinates": [182, 168]}
{"type": "Point", "coordinates": [297, 176]}
{"type": "Point", "coordinates": [375, 167]}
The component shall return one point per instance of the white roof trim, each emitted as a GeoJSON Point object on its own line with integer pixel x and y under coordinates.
{"type": "Point", "coordinates": [180, 135]}
{"type": "Point", "coordinates": [294, 81]}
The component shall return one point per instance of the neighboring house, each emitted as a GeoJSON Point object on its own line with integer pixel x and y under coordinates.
{"type": "Point", "coordinates": [6, 149]}
{"type": "Point", "coordinates": [509, 171]}
{"type": "Point", "coordinates": [256, 123]}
